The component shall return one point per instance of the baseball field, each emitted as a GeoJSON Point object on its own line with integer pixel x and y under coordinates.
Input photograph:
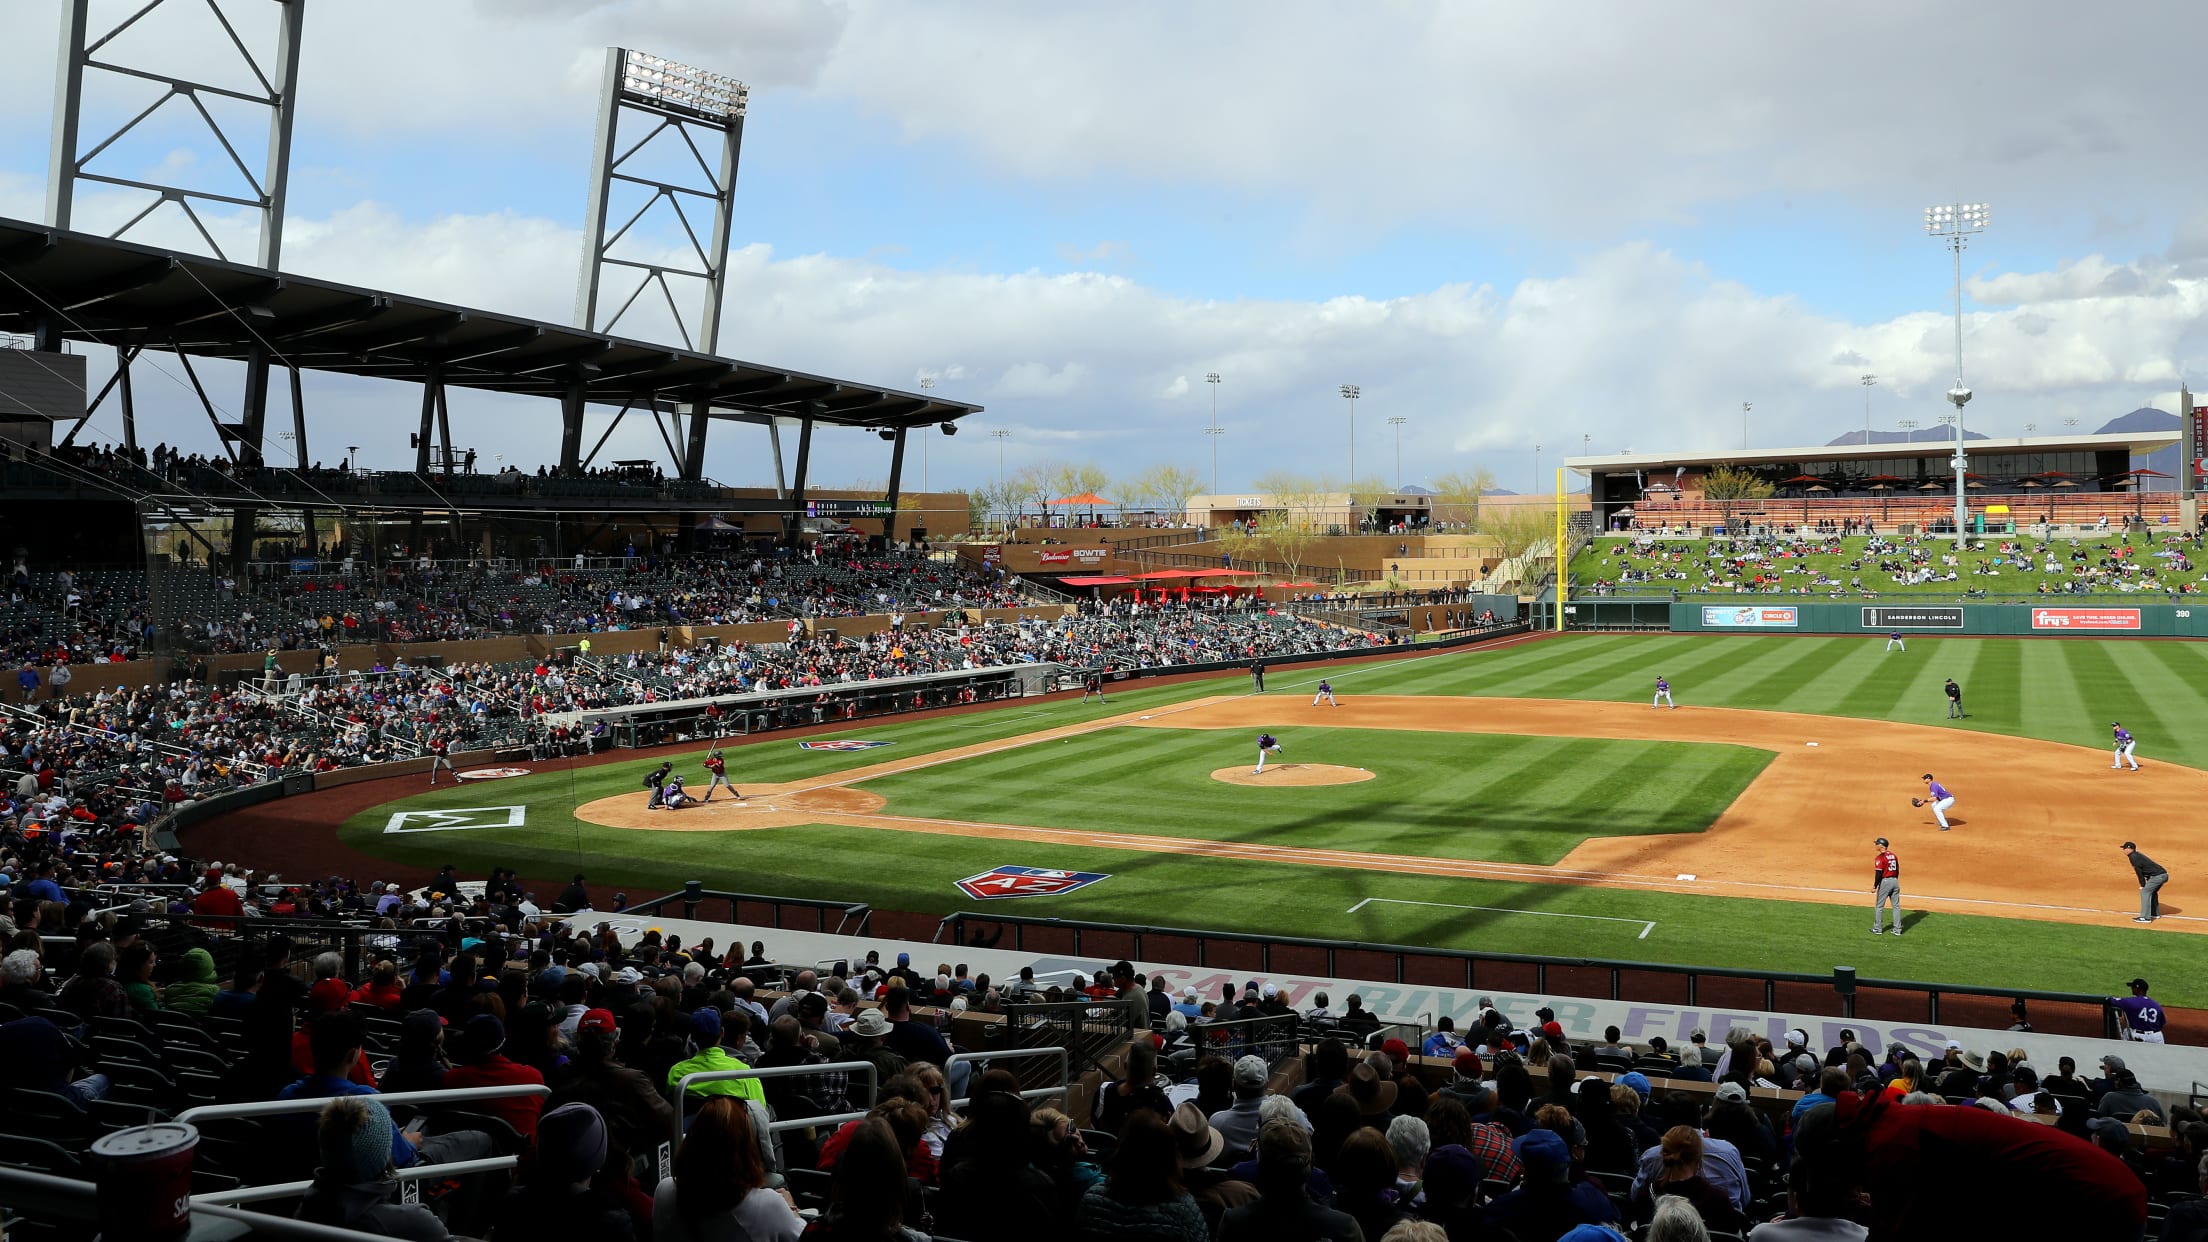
{"type": "Point", "coordinates": [1521, 798]}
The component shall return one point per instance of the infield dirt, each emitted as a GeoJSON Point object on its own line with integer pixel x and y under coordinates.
{"type": "Point", "coordinates": [2036, 824]}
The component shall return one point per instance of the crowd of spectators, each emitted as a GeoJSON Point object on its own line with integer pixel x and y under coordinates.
{"type": "Point", "coordinates": [1828, 563]}
{"type": "Point", "coordinates": [114, 1008]}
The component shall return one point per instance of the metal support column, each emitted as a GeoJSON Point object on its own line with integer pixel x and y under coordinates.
{"type": "Point", "coordinates": [571, 429]}
{"type": "Point", "coordinates": [444, 425]}
{"type": "Point", "coordinates": [791, 524]}
{"type": "Point", "coordinates": [774, 442]}
{"type": "Point", "coordinates": [896, 479]}
{"type": "Point", "coordinates": [430, 389]}
{"type": "Point", "coordinates": [124, 355]}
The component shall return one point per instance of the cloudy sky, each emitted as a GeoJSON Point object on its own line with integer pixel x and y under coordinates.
{"type": "Point", "coordinates": [1600, 225]}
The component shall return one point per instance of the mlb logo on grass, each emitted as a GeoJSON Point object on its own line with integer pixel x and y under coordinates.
{"type": "Point", "coordinates": [1026, 882]}
{"type": "Point", "coordinates": [458, 819]}
{"type": "Point", "coordinates": [840, 745]}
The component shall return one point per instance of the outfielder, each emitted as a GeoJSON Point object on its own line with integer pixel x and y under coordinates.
{"type": "Point", "coordinates": [1663, 696]}
{"type": "Point", "coordinates": [1886, 887]}
{"type": "Point", "coordinates": [719, 768]}
{"type": "Point", "coordinates": [1267, 744]}
{"type": "Point", "coordinates": [440, 757]}
{"type": "Point", "coordinates": [1937, 796]}
{"type": "Point", "coordinates": [2123, 744]}
{"type": "Point", "coordinates": [1893, 641]}
{"type": "Point", "coordinates": [1326, 691]}
{"type": "Point", "coordinates": [656, 781]}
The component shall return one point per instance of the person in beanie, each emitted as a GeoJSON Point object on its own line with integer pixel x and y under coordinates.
{"type": "Point", "coordinates": [353, 1187]}
{"type": "Point", "coordinates": [556, 1197]}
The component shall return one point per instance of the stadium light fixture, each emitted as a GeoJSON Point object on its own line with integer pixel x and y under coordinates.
{"type": "Point", "coordinates": [1868, 382]}
{"type": "Point", "coordinates": [1953, 225]}
{"type": "Point", "coordinates": [1397, 423]}
{"type": "Point", "coordinates": [657, 81]}
{"type": "Point", "coordinates": [1214, 431]}
{"type": "Point", "coordinates": [1350, 393]}
{"type": "Point", "coordinates": [927, 385]}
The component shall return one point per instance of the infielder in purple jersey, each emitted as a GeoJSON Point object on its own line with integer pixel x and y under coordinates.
{"type": "Point", "coordinates": [1936, 795]}
{"type": "Point", "coordinates": [1663, 696]}
{"type": "Point", "coordinates": [2123, 745]}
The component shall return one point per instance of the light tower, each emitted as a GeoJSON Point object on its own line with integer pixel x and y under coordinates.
{"type": "Point", "coordinates": [1953, 225]}
{"type": "Point", "coordinates": [1350, 393]}
{"type": "Point", "coordinates": [1868, 382]}
{"type": "Point", "coordinates": [1397, 422]}
{"type": "Point", "coordinates": [1213, 431]}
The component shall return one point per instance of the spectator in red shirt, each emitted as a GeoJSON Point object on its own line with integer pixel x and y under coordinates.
{"type": "Point", "coordinates": [483, 1064]}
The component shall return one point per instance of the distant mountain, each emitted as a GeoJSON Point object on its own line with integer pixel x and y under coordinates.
{"type": "Point", "coordinates": [2144, 419]}
{"type": "Point", "coordinates": [1922, 435]}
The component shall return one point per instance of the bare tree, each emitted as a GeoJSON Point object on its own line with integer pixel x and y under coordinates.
{"type": "Point", "coordinates": [1457, 495]}
{"type": "Point", "coordinates": [1298, 518]}
{"type": "Point", "coordinates": [1163, 488]}
{"type": "Point", "coordinates": [1727, 485]}
{"type": "Point", "coordinates": [1523, 534]}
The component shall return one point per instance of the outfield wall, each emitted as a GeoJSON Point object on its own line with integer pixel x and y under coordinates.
{"type": "Point", "coordinates": [2094, 619]}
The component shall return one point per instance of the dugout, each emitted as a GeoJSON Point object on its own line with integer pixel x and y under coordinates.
{"type": "Point", "coordinates": [657, 724]}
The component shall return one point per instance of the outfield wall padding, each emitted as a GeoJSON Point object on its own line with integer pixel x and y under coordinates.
{"type": "Point", "coordinates": [2054, 619]}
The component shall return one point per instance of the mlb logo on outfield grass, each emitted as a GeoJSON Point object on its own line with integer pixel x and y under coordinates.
{"type": "Point", "coordinates": [841, 745]}
{"type": "Point", "coordinates": [1026, 882]}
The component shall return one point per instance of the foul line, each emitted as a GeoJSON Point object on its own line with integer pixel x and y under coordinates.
{"type": "Point", "coordinates": [1647, 926]}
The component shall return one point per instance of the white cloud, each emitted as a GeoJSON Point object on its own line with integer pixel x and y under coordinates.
{"type": "Point", "coordinates": [1632, 346]}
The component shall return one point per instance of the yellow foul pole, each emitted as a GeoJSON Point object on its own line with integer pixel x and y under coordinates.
{"type": "Point", "coordinates": [1558, 549]}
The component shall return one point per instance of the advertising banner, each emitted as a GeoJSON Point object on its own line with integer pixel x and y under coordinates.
{"type": "Point", "coordinates": [1937, 618]}
{"type": "Point", "coordinates": [1752, 618]}
{"type": "Point", "coordinates": [1054, 558]}
{"type": "Point", "coordinates": [2085, 618]}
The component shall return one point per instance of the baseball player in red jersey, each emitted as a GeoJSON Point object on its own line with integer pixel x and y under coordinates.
{"type": "Point", "coordinates": [1886, 885]}
{"type": "Point", "coordinates": [719, 768]}
{"type": "Point", "coordinates": [439, 758]}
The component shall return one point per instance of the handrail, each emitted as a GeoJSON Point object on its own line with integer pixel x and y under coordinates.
{"type": "Point", "coordinates": [275, 1108]}
{"type": "Point", "coordinates": [873, 1091]}
{"type": "Point", "coordinates": [1771, 979]}
{"type": "Point", "coordinates": [1065, 1069]}
{"type": "Point", "coordinates": [692, 897]}
{"type": "Point", "coordinates": [415, 1173]}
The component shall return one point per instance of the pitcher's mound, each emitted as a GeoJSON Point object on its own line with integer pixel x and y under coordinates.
{"type": "Point", "coordinates": [1293, 774]}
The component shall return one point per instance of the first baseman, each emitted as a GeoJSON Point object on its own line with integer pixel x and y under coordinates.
{"type": "Point", "coordinates": [1936, 794]}
{"type": "Point", "coordinates": [1886, 887]}
{"type": "Point", "coordinates": [2123, 745]}
{"type": "Point", "coordinates": [1267, 744]}
{"type": "Point", "coordinates": [1326, 691]}
{"type": "Point", "coordinates": [1663, 695]}
{"type": "Point", "coordinates": [719, 768]}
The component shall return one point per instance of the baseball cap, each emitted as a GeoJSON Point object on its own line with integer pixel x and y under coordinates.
{"type": "Point", "coordinates": [1640, 1084]}
{"type": "Point", "coordinates": [2130, 845]}
{"type": "Point", "coordinates": [1552, 1030]}
{"type": "Point", "coordinates": [2112, 1061]}
{"type": "Point", "coordinates": [1188, 994]}
{"type": "Point", "coordinates": [1954, 1045]}
{"type": "Point", "coordinates": [1251, 1074]}
{"type": "Point", "coordinates": [705, 1025]}
{"type": "Point", "coordinates": [2137, 983]}
{"type": "Point", "coordinates": [1544, 1013]}
{"type": "Point", "coordinates": [597, 1020]}
{"type": "Point", "coordinates": [904, 959]}
{"type": "Point", "coordinates": [1880, 841]}
{"type": "Point", "coordinates": [1797, 1038]}
{"type": "Point", "coordinates": [1698, 1035]}
{"type": "Point", "coordinates": [1397, 1050]}
{"type": "Point", "coordinates": [1467, 1063]}
{"type": "Point", "coordinates": [1734, 1092]}
{"type": "Point", "coordinates": [1542, 1148]}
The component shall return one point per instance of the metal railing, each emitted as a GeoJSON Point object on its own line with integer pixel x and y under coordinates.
{"type": "Point", "coordinates": [42, 1196]}
{"type": "Point", "coordinates": [1129, 939]}
{"type": "Point", "coordinates": [854, 918]}
{"type": "Point", "coordinates": [980, 1061]}
{"type": "Point", "coordinates": [848, 1068]}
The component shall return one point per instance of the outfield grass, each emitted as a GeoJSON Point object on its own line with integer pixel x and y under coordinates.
{"type": "Point", "coordinates": [1604, 558]}
{"type": "Point", "coordinates": [1150, 780]}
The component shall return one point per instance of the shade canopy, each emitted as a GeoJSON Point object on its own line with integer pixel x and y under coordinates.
{"type": "Point", "coordinates": [1103, 581]}
{"type": "Point", "coordinates": [713, 523]}
{"type": "Point", "coordinates": [1085, 498]}
{"type": "Point", "coordinates": [1157, 575]}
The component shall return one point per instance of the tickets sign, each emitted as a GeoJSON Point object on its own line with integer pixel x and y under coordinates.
{"type": "Point", "coordinates": [1006, 882]}
{"type": "Point", "coordinates": [2085, 618]}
